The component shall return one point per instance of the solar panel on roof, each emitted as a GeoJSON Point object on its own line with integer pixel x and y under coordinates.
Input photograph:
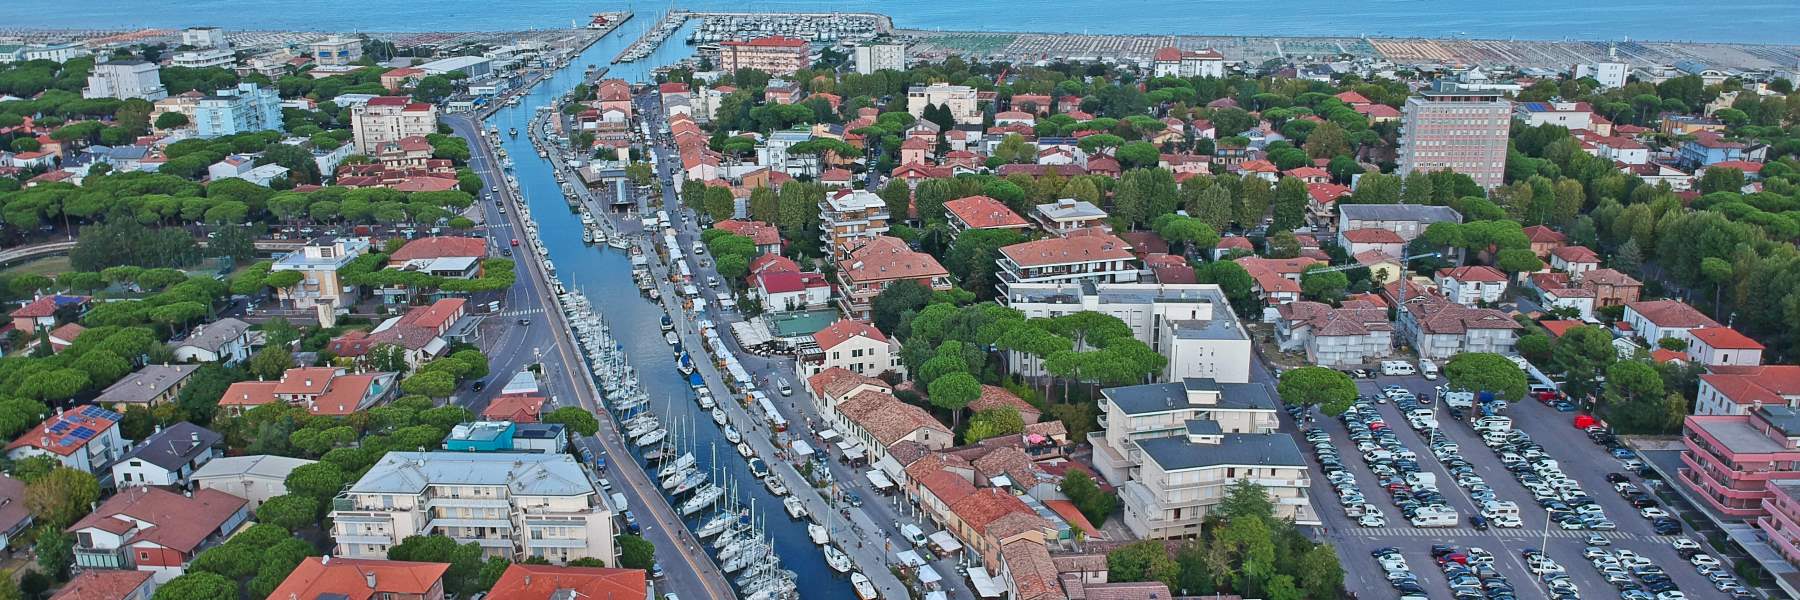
{"type": "Point", "coordinates": [59, 427]}
{"type": "Point", "coordinates": [85, 433]}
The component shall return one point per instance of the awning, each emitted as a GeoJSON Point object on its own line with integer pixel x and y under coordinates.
{"type": "Point", "coordinates": [801, 448]}
{"type": "Point", "coordinates": [828, 435]}
{"type": "Point", "coordinates": [937, 595]}
{"type": "Point", "coordinates": [909, 558]}
{"type": "Point", "coordinates": [945, 542]}
{"type": "Point", "coordinates": [880, 479]}
{"type": "Point", "coordinates": [929, 575]}
{"type": "Point", "coordinates": [853, 451]}
{"type": "Point", "coordinates": [985, 586]}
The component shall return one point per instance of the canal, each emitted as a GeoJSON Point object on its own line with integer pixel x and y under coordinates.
{"type": "Point", "coordinates": [604, 276]}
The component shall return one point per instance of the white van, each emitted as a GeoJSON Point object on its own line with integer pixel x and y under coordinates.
{"type": "Point", "coordinates": [1422, 481]}
{"type": "Point", "coordinates": [619, 503]}
{"type": "Point", "coordinates": [913, 534]}
{"type": "Point", "coordinates": [1493, 509]}
{"type": "Point", "coordinates": [1427, 517]}
{"type": "Point", "coordinates": [1397, 367]}
{"type": "Point", "coordinates": [1428, 369]}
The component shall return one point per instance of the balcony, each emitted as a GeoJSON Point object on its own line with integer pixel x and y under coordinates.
{"type": "Point", "coordinates": [102, 558]}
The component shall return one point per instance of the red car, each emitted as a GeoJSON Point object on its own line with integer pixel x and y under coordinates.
{"type": "Point", "coordinates": [515, 242]}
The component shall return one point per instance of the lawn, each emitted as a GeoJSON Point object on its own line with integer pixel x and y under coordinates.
{"type": "Point", "coordinates": [47, 266]}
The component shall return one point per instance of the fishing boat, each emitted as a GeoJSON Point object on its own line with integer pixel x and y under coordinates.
{"type": "Point", "coordinates": [653, 438]}
{"type": "Point", "coordinates": [795, 507]}
{"type": "Point", "coordinates": [818, 534]}
{"type": "Point", "coordinates": [865, 589]}
{"type": "Point", "coordinates": [745, 451]}
{"type": "Point", "coordinates": [837, 559]}
{"type": "Point", "coordinates": [686, 366]}
{"type": "Point", "coordinates": [758, 469]}
{"type": "Point", "coordinates": [718, 415]}
{"type": "Point", "coordinates": [668, 324]}
{"type": "Point", "coordinates": [704, 497]}
{"type": "Point", "coordinates": [671, 338]}
{"type": "Point", "coordinates": [732, 435]}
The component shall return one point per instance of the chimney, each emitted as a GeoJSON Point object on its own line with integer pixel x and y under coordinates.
{"type": "Point", "coordinates": [370, 578]}
{"type": "Point", "coordinates": [325, 560]}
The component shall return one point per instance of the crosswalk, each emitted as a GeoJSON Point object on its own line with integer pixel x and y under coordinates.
{"type": "Point", "coordinates": [525, 312]}
{"type": "Point", "coordinates": [1521, 534]}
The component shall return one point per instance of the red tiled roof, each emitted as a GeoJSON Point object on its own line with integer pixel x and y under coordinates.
{"type": "Point", "coordinates": [1236, 242]}
{"type": "Point", "coordinates": [783, 282]}
{"type": "Point", "coordinates": [437, 315]}
{"type": "Point", "coordinates": [1663, 355]}
{"type": "Point", "coordinates": [1724, 338]}
{"type": "Point", "coordinates": [886, 418]}
{"type": "Point", "coordinates": [315, 577]}
{"type": "Point", "coordinates": [836, 381]}
{"type": "Point", "coordinates": [169, 519]}
{"type": "Point", "coordinates": [982, 212]}
{"type": "Point", "coordinates": [1576, 254]}
{"type": "Point", "coordinates": [1769, 384]}
{"type": "Point", "coordinates": [1741, 165]}
{"type": "Point", "coordinates": [1167, 54]}
{"type": "Point", "coordinates": [1557, 327]}
{"type": "Point", "coordinates": [390, 101]}
{"type": "Point", "coordinates": [1373, 235]}
{"type": "Point", "coordinates": [772, 263]}
{"type": "Point", "coordinates": [1473, 273]}
{"type": "Point", "coordinates": [1542, 234]}
{"type": "Point", "coordinates": [987, 506]}
{"type": "Point", "coordinates": [249, 393]}
{"type": "Point", "coordinates": [1258, 166]}
{"type": "Point", "coordinates": [1064, 250]}
{"type": "Point", "coordinates": [760, 233]}
{"type": "Point", "coordinates": [993, 396]}
{"type": "Point", "coordinates": [1671, 313]}
{"type": "Point", "coordinates": [440, 247]}
{"type": "Point", "coordinates": [515, 408]}
{"type": "Point", "coordinates": [544, 582]}
{"type": "Point", "coordinates": [1308, 172]}
{"type": "Point", "coordinates": [102, 584]}
{"type": "Point", "coordinates": [1352, 98]}
{"type": "Point", "coordinates": [844, 329]}
{"type": "Point", "coordinates": [45, 306]}
{"type": "Point", "coordinates": [57, 433]}
{"type": "Point", "coordinates": [344, 396]}
{"type": "Point", "coordinates": [305, 380]}
{"type": "Point", "coordinates": [888, 258]}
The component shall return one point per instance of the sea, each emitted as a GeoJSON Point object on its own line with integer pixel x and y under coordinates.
{"type": "Point", "coordinates": [1757, 21]}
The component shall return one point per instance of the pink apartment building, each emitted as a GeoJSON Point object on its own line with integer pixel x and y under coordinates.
{"type": "Point", "coordinates": [1461, 130]}
{"type": "Point", "coordinates": [1782, 523]}
{"type": "Point", "coordinates": [1733, 462]}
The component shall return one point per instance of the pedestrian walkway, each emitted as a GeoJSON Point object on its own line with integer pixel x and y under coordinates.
{"type": "Point", "coordinates": [524, 312]}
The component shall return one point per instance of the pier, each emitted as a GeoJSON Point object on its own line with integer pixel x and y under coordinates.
{"type": "Point", "coordinates": [646, 44]}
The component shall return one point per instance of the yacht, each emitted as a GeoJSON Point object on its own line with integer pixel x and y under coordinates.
{"type": "Point", "coordinates": [681, 463]}
{"type": "Point", "coordinates": [675, 479]}
{"type": "Point", "coordinates": [795, 507]}
{"type": "Point", "coordinates": [758, 469]}
{"type": "Point", "coordinates": [744, 450]}
{"type": "Point", "coordinates": [653, 438]}
{"type": "Point", "coordinates": [718, 415]}
{"type": "Point", "coordinates": [837, 559]}
{"type": "Point", "coordinates": [692, 481]}
{"type": "Point", "coordinates": [706, 401]}
{"type": "Point", "coordinates": [732, 435]}
{"type": "Point", "coordinates": [716, 525]}
{"type": "Point", "coordinates": [704, 497]}
{"type": "Point", "coordinates": [775, 486]}
{"type": "Point", "coordinates": [865, 589]}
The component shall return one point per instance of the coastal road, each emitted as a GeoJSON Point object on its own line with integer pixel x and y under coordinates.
{"type": "Point", "coordinates": [687, 570]}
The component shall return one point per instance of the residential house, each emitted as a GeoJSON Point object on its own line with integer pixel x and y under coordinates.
{"type": "Point", "coordinates": [1175, 62]}
{"type": "Point", "coordinates": [255, 478]}
{"type": "Point", "coordinates": [1730, 461]}
{"type": "Point", "coordinates": [881, 262]}
{"type": "Point", "coordinates": [147, 387]}
{"type": "Point", "coordinates": [766, 237]}
{"type": "Point", "coordinates": [531, 506]}
{"type": "Point", "coordinates": [155, 530]}
{"type": "Point", "coordinates": [419, 334]}
{"type": "Point", "coordinates": [507, 436]}
{"type": "Point", "coordinates": [395, 80]}
{"type": "Point", "coordinates": [1173, 448]}
{"type": "Point", "coordinates": [1276, 280]}
{"type": "Point", "coordinates": [321, 390]}
{"type": "Point", "coordinates": [1723, 346]}
{"type": "Point", "coordinates": [982, 212]}
{"type": "Point", "coordinates": [226, 341]}
{"type": "Point", "coordinates": [1574, 260]}
{"type": "Point", "coordinates": [550, 582]}
{"type": "Point", "coordinates": [1406, 220]}
{"type": "Point", "coordinates": [1559, 291]}
{"type": "Point", "coordinates": [108, 584]}
{"type": "Point", "coordinates": [878, 420]}
{"type": "Point", "coordinates": [1708, 148]}
{"type": "Point", "coordinates": [1191, 324]}
{"type": "Point", "coordinates": [324, 577]}
{"type": "Point", "coordinates": [515, 408]}
{"type": "Point", "coordinates": [85, 438]}
{"type": "Point", "coordinates": [42, 312]}
{"type": "Point", "coordinates": [993, 397]}
{"type": "Point", "coordinates": [1544, 240]}
{"type": "Point", "coordinates": [853, 345]}
{"type": "Point", "coordinates": [1335, 337]}
{"type": "Point", "coordinates": [1439, 329]}
{"type": "Point", "coordinates": [1610, 287]}
{"type": "Point", "coordinates": [168, 457]}
{"type": "Point", "coordinates": [783, 291]}
{"type": "Point", "coordinates": [1100, 258]}
{"type": "Point", "coordinates": [1470, 285]}
{"type": "Point", "coordinates": [1383, 268]}
{"type": "Point", "coordinates": [15, 518]}
{"type": "Point", "coordinates": [1568, 115]}
{"type": "Point", "coordinates": [1068, 215]}
{"type": "Point", "coordinates": [1653, 320]}
{"type": "Point", "coordinates": [1372, 239]}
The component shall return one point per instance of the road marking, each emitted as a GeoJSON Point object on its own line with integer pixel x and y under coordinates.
{"type": "Point", "coordinates": [1522, 534]}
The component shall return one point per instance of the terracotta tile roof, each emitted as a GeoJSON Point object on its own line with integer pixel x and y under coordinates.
{"type": "Point", "coordinates": [1258, 166]}
{"type": "Point", "coordinates": [345, 394]}
{"type": "Point", "coordinates": [1352, 98]}
{"type": "Point", "coordinates": [1436, 315]}
{"type": "Point", "coordinates": [1377, 111]}
{"type": "Point", "coordinates": [987, 506]}
{"type": "Point", "coordinates": [1469, 273]}
{"type": "Point", "coordinates": [1167, 54]}
{"type": "Point", "coordinates": [886, 418]}
{"type": "Point", "coordinates": [982, 212]}
{"type": "Point", "coordinates": [1073, 516]}
{"type": "Point", "coordinates": [168, 519]}
{"type": "Point", "coordinates": [993, 396]}
{"type": "Point", "coordinates": [1769, 384]}
{"type": "Point", "coordinates": [842, 330]}
{"type": "Point", "coordinates": [349, 577]}
{"type": "Point", "coordinates": [1308, 172]}
{"type": "Point", "coordinates": [1608, 277]}
{"type": "Point", "coordinates": [1663, 355]}
{"type": "Point", "coordinates": [65, 433]}
{"type": "Point", "coordinates": [1373, 235]}
{"type": "Point", "coordinates": [780, 282]}
{"type": "Point", "coordinates": [543, 582]}
{"type": "Point", "coordinates": [435, 316]}
{"type": "Point", "coordinates": [1671, 313]}
{"type": "Point", "coordinates": [1724, 338]}
{"type": "Point", "coordinates": [888, 258]}
{"type": "Point", "coordinates": [516, 408]}
{"type": "Point", "coordinates": [1010, 462]}
{"type": "Point", "coordinates": [45, 306]}
{"type": "Point", "coordinates": [1542, 234]}
{"type": "Point", "coordinates": [306, 380]}
{"type": "Point", "coordinates": [440, 247]}
{"type": "Point", "coordinates": [1557, 327]}
{"type": "Point", "coordinates": [1576, 254]}
{"type": "Point", "coordinates": [760, 233]}
{"type": "Point", "coordinates": [773, 262]}
{"type": "Point", "coordinates": [249, 393]}
{"type": "Point", "coordinates": [390, 101]}
{"type": "Point", "coordinates": [102, 584]}
{"type": "Point", "coordinates": [1066, 250]}
{"type": "Point", "coordinates": [1236, 242]}
{"type": "Point", "coordinates": [948, 487]}
{"type": "Point", "coordinates": [67, 332]}
{"type": "Point", "coordinates": [1283, 266]}
{"type": "Point", "coordinates": [836, 381]}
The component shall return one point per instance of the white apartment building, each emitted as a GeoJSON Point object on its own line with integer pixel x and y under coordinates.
{"type": "Point", "coordinates": [1457, 129]}
{"type": "Point", "coordinates": [204, 37]}
{"type": "Point", "coordinates": [515, 506]}
{"type": "Point", "coordinates": [1191, 324]}
{"type": "Point", "coordinates": [1175, 62]}
{"type": "Point", "coordinates": [386, 119]}
{"type": "Point", "coordinates": [1100, 258]}
{"type": "Point", "coordinates": [1469, 285]}
{"type": "Point", "coordinates": [855, 346]}
{"type": "Point", "coordinates": [876, 57]}
{"type": "Point", "coordinates": [125, 79]}
{"type": "Point", "coordinates": [1608, 74]}
{"type": "Point", "coordinates": [255, 478]}
{"type": "Point", "coordinates": [960, 99]}
{"type": "Point", "coordinates": [205, 58]}
{"type": "Point", "coordinates": [1572, 115]}
{"type": "Point", "coordinates": [335, 51]}
{"type": "Point", "coordinates": [849, 219]}
{"type": "Point", "coordinates": [1174, 449]}
{"type": "Point", "coordinates": [319, 287]}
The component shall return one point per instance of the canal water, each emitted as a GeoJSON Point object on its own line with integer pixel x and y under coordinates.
{"type": "Point", "coordinates": [604, 275]}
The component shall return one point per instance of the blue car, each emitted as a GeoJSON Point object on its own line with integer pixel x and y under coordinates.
{"type": "Point", "coordinates": [1563, 406]}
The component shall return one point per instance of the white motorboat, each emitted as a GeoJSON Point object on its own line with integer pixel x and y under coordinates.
{"type": "Point", "coordinates": [618, 243]}
{"type": "Point", "coordinates": [837, 559]}
{"type": "Point", "coordinates": [745, 451]}
{"type": "Point", "coordinates": [653, 438]}
{"type": "Point", "coordinates": [775, 486]}
{"type": "Point", "coordinates": [795, 507]}
{"type": "Point", "coordinates": [718, 415]}
{"type": "Point", "coordinates": [865, 589]}
{"type": "Point", "coordinates": [818, 533]}
{"type": "Point", "coordinates": [732, 435]}
{"type": "Point", "coordinates": [671, 338]}
{"type": "Point", "coordinates": [706, 400]}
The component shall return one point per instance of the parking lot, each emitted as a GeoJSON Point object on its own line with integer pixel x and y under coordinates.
{"type": "Point", "coordinates": [1583, 461]}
